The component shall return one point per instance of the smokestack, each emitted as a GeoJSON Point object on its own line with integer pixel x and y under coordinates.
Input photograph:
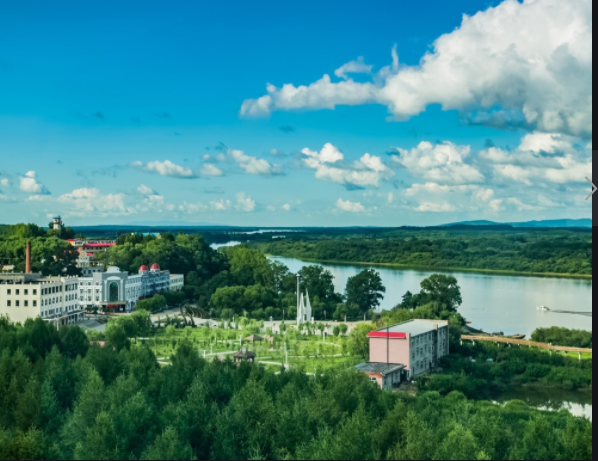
{"type": "Point", "coordinates": [28, 258]}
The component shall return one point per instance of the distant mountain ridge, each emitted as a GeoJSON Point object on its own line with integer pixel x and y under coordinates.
{"type": "Point", "coordinates": [555, 223]}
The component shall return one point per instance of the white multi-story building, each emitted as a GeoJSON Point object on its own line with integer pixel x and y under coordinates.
{"type": "Point", "coordinates": [117, 291]}
{"type": "Point", "coordinates": [177, 282]}
{"type": "Point", "coordinates": [28, 296]}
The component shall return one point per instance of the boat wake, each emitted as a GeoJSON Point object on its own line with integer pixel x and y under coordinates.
{"type": "Point", "coordinates": [587, 314]}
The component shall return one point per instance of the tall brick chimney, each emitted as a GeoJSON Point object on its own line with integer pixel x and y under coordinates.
{"type": "Point", "coordinates": [28, 258]}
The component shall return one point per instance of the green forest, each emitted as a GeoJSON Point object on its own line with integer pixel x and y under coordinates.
{"type": "Point", "coordinates": [62, 398]}
{"type": "Point", "coordinates": [538, 251]}
{"type": "Point", "coordinates": [243, 282]}
{"type": "Point", "coordinates": [51, 254]}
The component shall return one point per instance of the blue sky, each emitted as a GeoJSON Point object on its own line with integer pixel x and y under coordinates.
{"type": "Point", "coordinates": [125, 112]}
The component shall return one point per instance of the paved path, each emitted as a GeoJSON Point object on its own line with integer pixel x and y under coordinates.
{"type": "Point", "coordinates": [93, 325]}
{"type": "Point", "coordinates": [522, 342]}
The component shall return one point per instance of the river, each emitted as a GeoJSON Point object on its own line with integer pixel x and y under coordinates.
{"type": "Point", "coordinates": [493, 303]}
{"type": "Point", "coordinates": [577, 403]}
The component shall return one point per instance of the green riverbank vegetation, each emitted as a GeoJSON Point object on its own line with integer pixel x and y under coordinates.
{"type": "Point", "coordinates": [517, 251]}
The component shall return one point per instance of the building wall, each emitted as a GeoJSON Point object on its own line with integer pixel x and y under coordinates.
{"type": "Point", "coordinates": [20, 307]}
{"type": "Point", "coordinates": [95, 290]}
{"type": "Point", "coordinates": [51, 298]}
{"type": "Point", "coordinates": [398, 351]}
{"type": "Point", "coordinates": [416, 353]}
{"type": "Point", "coordinates": [385, 382]}
{"type": "Point", "coordinates": [176, 282]}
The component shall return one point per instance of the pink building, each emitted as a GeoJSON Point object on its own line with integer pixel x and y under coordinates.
{"type": "Point", "coordinates": [416, 346]}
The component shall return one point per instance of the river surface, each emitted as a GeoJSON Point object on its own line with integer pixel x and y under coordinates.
{"type": "Point", "coordinates": [493, 303]}
{"type": "Point", "coordinates": [577, 403]}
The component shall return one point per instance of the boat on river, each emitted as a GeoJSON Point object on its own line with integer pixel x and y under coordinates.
{"type": "Point", "coordinates": [518, 337]}
{"type": "Point", "coordinates": [543, 308]}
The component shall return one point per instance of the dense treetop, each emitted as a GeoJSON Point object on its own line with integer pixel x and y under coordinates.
{"type": "Point", "coordinates": [50, 253]}
{"type": "Point", "coordinates": [63, 399]}
{"type": "Point", "coordinates": [516, 250]}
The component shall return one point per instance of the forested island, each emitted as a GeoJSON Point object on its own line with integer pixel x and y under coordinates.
{"type": "Point", "coordinates": [562, 252]}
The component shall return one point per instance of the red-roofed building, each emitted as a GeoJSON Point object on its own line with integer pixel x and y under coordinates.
{"type": "Point", "coordinates": [417, 346]}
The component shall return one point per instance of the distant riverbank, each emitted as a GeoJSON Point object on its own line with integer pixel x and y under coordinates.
{"type": "Point", "coordinates": [439, 269]}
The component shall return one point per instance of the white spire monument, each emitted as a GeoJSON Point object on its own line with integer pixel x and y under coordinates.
{"type": "Point", "coordinates": [304, 313]}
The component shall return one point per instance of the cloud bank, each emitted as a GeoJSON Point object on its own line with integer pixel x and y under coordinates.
{"type": "Point", "coordinates": [518, 65]}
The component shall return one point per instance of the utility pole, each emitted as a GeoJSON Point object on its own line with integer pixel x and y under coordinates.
{"type": "Point", "coordinates": [298, 297]}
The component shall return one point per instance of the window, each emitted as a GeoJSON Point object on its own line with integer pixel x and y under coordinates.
{"type": "Point", "coordinates": [8, 303]}
{"type": "Point", "coordinates": [34, 303]}
{"type": "Point", "coordinates": [8, 292]}
{"type": "Point", "coordinates": [18, 292]}
{"type": "Point", "coordinates": [35, 292]}
{"type": "Point", "coordinates": [113, 294]}
{"type": "Point", "coordinates": [26, 292]}
{"type": "Point", "coordinates": [17, 303]}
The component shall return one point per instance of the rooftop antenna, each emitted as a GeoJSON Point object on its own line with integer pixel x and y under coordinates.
{"type": "Point", "coordinates": [387, 344]}
{"type": "Point", "coordinates": [298, 298]}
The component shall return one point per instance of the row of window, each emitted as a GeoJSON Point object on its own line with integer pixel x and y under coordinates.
{"type": "Point", "coordinates": [18, 303]}
{"type": "Point", "coordinates": [44, 291]}
{"type": "Point", "coordinates": [25, 292]}
{"type": "Point", "coordinates": [51, 312]}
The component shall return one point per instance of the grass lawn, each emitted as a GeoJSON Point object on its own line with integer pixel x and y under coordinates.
{"type": "Point", "coordinates": [300, 352]}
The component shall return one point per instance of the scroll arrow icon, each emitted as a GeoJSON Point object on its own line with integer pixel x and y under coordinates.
{"type": "Point", "coordinates": [594, 188]}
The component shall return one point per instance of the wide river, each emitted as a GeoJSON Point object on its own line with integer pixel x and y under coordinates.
{"type": "Point", "coordinates": [493, 303]}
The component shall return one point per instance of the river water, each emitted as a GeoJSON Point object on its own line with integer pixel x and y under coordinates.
{"type": "Point", "coordinates": [493, 303]}
{"type": "Point", "coordinates": [577, 403]}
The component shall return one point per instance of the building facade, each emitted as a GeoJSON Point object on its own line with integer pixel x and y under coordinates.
{"type": "Point", "coordinates": [177, 282]}
{"type": "Point", "coordinates": [28, 296]}
{"type": "Point", "coordinates": [417, 346]}
{"type": "Point", "coordinates": [386, 376]}
{"type": "Point", "coordinates": [117, 291]}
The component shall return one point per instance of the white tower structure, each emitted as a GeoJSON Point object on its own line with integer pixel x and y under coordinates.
{"type": "Point", "coordinates": [304, 312]}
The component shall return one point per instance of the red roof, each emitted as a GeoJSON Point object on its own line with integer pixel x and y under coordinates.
{"type": "Point", "coordinates": [155, 267]}
{"type": "Point", "coordinates": [384, 334]}
{"type": "Point", "coordinates": [100, 245]}
{"type": "Point", "coordinates": [143, 268]}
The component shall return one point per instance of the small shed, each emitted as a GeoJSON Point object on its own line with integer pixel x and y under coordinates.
{"type": "Point", "coordinates": [385, 375]}
{"type": "Point", "coordinates": [244, 356]}
{"type": "Point", "coordinates": [253, 339]}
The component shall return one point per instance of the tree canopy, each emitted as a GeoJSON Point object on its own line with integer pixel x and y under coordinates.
{"type": "Point", "coordinates": [118, 403]}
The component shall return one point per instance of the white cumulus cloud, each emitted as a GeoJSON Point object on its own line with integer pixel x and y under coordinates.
{"type": "Point", "coordinates": [254, 165]}
{"type": "Point", "coordinates": [441, 163]}
{"type": "Point", "coordinates": [429, 207]}
{"type": "Point", "coordinates": [91, 202]}
{"type": "Point", "coordinates": [369, 171]}
{"type": "Point", "coordinates": [30, 184]}
{"type": "Point", "coordinates": [245, 203]}
{"type": "Point", "coordinates": [211, 170]}
{"type": "Point", "coordinates": [520, 64]}
{"type": "Point", "coordinates": [350, 207]}
{"type": "Point", "coordinates": [146, 190]}
{"type": "Point", "coordinates": [165, 168]}
{"type": "Point", "coordinates": [353, 67]}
